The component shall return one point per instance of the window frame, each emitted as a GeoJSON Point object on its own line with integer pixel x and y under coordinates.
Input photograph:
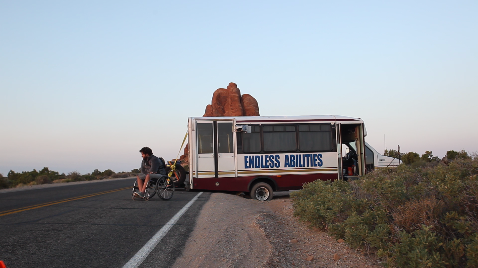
{"type": "Point", "coordinates": [332, 132]}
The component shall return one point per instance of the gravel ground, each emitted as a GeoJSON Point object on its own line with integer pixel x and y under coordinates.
{"type": "Point", "coordinates": [233, 231]}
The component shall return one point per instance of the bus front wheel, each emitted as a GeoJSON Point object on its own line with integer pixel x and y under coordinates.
{"type": "Point", "coordinates": [262, 191]}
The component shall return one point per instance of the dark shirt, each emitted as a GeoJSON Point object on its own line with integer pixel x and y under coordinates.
{"type": "Point", "coordinates": [151, 164]}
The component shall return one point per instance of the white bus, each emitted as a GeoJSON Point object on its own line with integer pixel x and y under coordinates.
{"type": "Point", "coordinates": [263, 154]}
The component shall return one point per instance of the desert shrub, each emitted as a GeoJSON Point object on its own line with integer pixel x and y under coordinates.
{"type": "Point", "coordinates": [428, 157]}
{"type": "Point", "coordinates": [3, 182]}
{"type": "Point", "coordinates": [88, 177]}
{"type": "Point", "coordinates": [20, 178]}
{"type": "Point", "coordinates": [30, 177]}
{"type": "Point", "coordinates": [108, 173]}
{"type": "Point", "coordinates": [74, 176]}
{"type": "Point", "coordinates": [135, 171]}
{"type": "Point", "coordinates": [452, 155]}
{"type": "Point", "coordinates": [392, 153]}
{"type": "Point", "coordinates": [410, 158]}
{"type": "Point", "coordinates": [42, 179]}
{"type": "Point", "coordinates": [96, 172]}
{"type": "Point", "coordinates": [419, 215]}
{"type": "Point", "coordinates": [121, 175]}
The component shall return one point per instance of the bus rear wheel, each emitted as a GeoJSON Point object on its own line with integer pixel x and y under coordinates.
{"type": "Point", "coordinates": [262, 191]}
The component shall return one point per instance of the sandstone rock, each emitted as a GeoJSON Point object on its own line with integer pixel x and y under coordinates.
{"type": "Point", "coordinates": [340, 240]}
{"type": "Point", "coordinates": [208, 112]}
{"type": "Point", "coordinates": [250, 105]}
{"type": "Point", "coordinates": [293, 241]}
{"type": "Point", "coordinates": [336, 257]}
{"type": "Point", "coordinates": [310, 258]}
{"type": "Point", "coordinates": [184, 157]}
{"type": "Point", "coordinates": [228, 102]}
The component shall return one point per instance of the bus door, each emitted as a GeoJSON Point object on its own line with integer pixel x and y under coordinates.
{"type": "Point", "coordinates": [226, 164]}
{"type": "Point", "coordinates": [351, 138]}
{"type": "Point", "coordinates": [360, 142]}
{"type": "Point", "coordinates": [338, 139]}
{"type": "Point", "coordinates": [215, 149]}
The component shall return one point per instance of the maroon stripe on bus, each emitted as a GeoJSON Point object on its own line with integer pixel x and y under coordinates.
{"type": "Point", "coordinates": [240, 184]}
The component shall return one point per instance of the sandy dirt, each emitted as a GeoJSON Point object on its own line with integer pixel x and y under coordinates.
{"type": "Point", "coordinates": [233, 231]}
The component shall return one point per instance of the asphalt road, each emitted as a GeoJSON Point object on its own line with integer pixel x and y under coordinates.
{"type": "Point", "coordinates": [91, 225]}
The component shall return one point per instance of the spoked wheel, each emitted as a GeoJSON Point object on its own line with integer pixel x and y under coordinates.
{"type": "Point", "coordinates": [135, 190]}
{"type": "Point", "coordinates": [150, 190]}
{"type": "Point", "coordinates": [178, 176]}
{"type": "Point", "coordinates": [165, 188]}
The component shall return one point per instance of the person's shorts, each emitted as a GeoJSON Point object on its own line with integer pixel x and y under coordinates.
{"type": "Point", "coordinates": [151, 176]}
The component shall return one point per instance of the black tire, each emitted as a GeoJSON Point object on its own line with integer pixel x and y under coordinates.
{"type": "Point", "coordinates": [179, 175]}
{"type": "Point", "coordinates": [262, 191]}
{"type": "Point", "coordinates": [150, 190]}
{"type": "Point", "coordinates": [165, 188]}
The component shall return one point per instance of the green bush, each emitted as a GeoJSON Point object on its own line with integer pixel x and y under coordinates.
{"type": "Point", "coordinates": [410, 158]}
{"type": "Point", "coordinates": [74, 176]}
{"type": "Point", "coordinates": [47, 176]}
{"type": "Point", "coordinates": [419, 215]}
{"type": "Point", "coordinates": [121, 175]}
{"type": "Point", "coordinates": [96, 172]}
{"type": "Point", "coordinates": [88, 177]}
{"type": "Point", "coordinates": [452, 155]}
{"type": "Point", "coordinates": [3, 182]}
{"type": "Point", "coordinates": [108, 173]}
{"type": "Point", "coordinates": [42, 179]}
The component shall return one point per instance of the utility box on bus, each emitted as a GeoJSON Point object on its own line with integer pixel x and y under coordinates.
{"type": "Point", "coordinates": [263, 154]}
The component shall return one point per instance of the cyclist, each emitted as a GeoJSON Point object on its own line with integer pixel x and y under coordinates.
{"type": "Point", "coordinates": [151, 167]}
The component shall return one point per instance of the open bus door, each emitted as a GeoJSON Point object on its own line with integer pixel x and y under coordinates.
{"type": "Point", "coordinates": [215, 149]}
{"type": "Point", "coordinates": [338, 139]}
{"type": "Point", "coordinates": [360, 141]}
{"type": "Point", "coordinates": [351, 136]}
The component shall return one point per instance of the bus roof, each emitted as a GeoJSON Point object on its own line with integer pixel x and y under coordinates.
{"type": "Point", "coordinates": [300, 118]}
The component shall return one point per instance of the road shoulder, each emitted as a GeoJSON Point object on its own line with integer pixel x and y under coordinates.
{"type": "Point", "coordinates": [233, 231]}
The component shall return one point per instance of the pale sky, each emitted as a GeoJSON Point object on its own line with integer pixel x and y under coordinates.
{"type": "Point", "coordinates": [85, 84]}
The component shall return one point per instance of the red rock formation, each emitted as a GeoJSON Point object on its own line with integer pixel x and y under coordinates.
{"type": "Point", "coordinates": [250, 105]}
{"type": "Point", "coordinates": [184, 158]}
{"type": "Point", "coordinates": [228, 102]}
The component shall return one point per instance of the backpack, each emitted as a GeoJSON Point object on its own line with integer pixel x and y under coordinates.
{"type": "Point", "coordinates": [162, 166]}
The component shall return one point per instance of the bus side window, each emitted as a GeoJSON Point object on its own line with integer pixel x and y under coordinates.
{"type": "Point", "coordinates": [279, 138]}
{"type": "Point", "coordinates": [316, 138]}
{"type": "Point", "coordinates": [249, 142]}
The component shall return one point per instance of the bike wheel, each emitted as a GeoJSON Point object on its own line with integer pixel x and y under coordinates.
{"type": "Point", "coordinates": [178, 176]}
{"type": "Point", "coordinates": [165, 188]}
{"type": "Point", "coordinates": [150, 190]}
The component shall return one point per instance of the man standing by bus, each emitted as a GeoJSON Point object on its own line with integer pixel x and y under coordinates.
{"type": "Point", "coordinates": [151, 167]}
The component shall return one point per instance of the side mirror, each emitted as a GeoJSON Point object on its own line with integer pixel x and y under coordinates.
{"type": "Point", "coordinates": [243, 128]}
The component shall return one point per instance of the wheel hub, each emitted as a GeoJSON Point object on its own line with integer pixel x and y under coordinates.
{"type": "Point", "coordinates": [262, 193]}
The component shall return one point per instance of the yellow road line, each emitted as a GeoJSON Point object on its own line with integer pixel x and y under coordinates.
{"type": "Point", "coordinates": [12, 211]}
